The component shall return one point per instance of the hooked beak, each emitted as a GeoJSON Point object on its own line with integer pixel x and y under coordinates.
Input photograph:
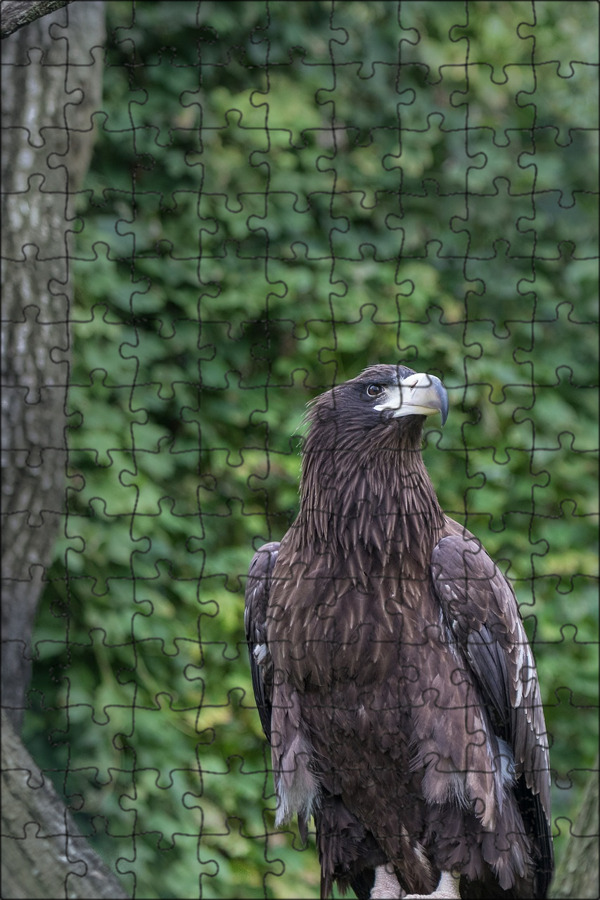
{"type": "Point", "coordinates": [419, 394]}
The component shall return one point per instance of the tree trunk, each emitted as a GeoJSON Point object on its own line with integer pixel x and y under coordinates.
{"type": "Point", "coordinates": [15, 14]}
{"type": "Point", "coordinates": [51, 84]}
{"type": "Point", "coordinates": [46, 148]}
{"type": "Point", "coordinates": [43, 853]}
{"type": "Point", "coordinates": [578, 874]}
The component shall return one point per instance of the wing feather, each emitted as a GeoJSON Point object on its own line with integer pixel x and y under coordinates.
{"type": "Point", "coordinates": [482, 613]}
{"type": "Point", "coordinates": [258, 586]}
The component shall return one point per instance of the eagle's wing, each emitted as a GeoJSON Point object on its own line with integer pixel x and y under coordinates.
{"type": "Point", "coordinates": [481, 612]}
{"type": "Point", "coordinates": [255, 614]}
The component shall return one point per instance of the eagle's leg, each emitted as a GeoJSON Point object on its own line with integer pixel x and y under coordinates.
{"type": "Point", "coordinates": [386, 886]}
{"type": "Point", "coordinates": [447, 889]}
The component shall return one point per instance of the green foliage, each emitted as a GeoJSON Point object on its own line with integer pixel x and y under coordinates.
{"type": "Point", "coordinates": [257, 224]}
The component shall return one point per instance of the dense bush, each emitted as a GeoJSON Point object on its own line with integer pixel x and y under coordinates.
{"type": "Point", "coordinates": [280, 195]}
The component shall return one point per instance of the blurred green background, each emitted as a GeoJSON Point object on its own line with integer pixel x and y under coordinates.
{"type": "Point", "coordinates": [281, 194]}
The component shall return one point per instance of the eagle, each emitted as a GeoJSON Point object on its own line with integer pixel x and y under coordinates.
{"type": "Point", "coordinates": [391, 669]}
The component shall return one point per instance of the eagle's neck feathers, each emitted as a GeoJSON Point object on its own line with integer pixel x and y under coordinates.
{"type": "Point", "coordinates": [375, 494]}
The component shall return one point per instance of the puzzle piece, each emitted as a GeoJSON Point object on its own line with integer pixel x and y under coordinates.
{"type": "Point", "coordinates": [276, 199]}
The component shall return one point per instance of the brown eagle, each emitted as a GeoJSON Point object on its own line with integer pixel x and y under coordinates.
{"type": "Point", "coordinates": [391, 669]}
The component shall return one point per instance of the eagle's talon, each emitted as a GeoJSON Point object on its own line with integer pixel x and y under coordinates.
{"type": "Point", "coordinates": [386, 885]}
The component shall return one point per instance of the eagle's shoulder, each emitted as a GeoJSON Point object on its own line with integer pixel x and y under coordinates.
{"type": "Point", "coordinates": [472, 588]}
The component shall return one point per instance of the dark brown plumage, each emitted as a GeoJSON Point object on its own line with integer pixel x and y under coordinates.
{"type": "Point", "coordinates": [391, 670]}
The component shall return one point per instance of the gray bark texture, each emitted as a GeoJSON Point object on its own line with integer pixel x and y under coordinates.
{"type": "Point", "coordinates": [579, 873]}
{"type": "Point", "coordinates": [43, 853]}
{"type": "Point", "coordinates": [52, 82]}
{"type": "Point", "coordinates": [52, 77]}
{"type": "Point", "coordinates": [15, 14]}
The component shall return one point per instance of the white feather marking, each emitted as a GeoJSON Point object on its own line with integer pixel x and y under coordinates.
{"type": "Point", "coordinates": [422, 856]}
{"type": "Point", "coordinates": [259, 653]}
{"type": "Point", "coordinates": [297, 789]}
{"type": "Point", "coordinates": [506, 761]}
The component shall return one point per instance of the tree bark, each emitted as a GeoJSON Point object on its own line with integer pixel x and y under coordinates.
{"type": "Point", "coordinates": [52, 82]}
{"type": "Point", "coordinates": [43, 853]}
{"type": "Point", "coordinates": [578, 874]}
{"type": "Point", "coordinates": [15, 14]}
{"type": "Point", "coordinates": [51, 86]}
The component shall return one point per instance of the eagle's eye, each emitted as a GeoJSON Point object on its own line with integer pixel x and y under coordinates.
{"type": "Point", "coordinates": [374, 390]}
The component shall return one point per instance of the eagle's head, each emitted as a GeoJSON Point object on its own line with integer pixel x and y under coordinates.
{"type": "Point", "coordinates": [363, 476]}
{"type": "Point", "coordinates": [383, 401]}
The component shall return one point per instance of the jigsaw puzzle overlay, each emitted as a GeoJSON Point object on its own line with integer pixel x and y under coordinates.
{"type": "Point", "coordinates": [279, 195]}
